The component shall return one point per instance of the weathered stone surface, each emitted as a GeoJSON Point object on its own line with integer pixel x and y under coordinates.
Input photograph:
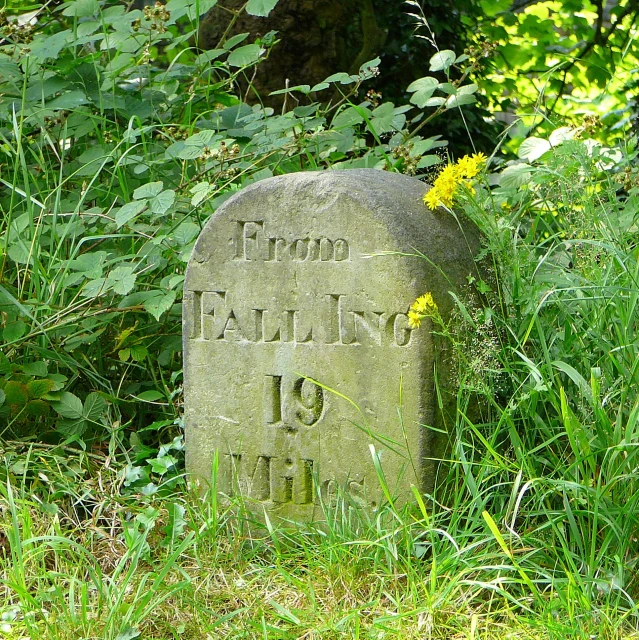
{"type": "Point", "coordinates": [287, 286]}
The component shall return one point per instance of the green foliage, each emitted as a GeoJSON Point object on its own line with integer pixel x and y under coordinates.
{"type": "Point", "coordinates": [572, 60]}
{"type": "Point", "coordinates": [117, 142]}
{"type": "Point", "coordinates": [550, 363]}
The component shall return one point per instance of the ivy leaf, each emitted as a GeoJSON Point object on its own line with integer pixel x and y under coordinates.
{"type": "Point", "coordinates": [69, 406]}
{"type": "Point", "coordinates": [162, 465]}
{"type": "Point", "coordinates": [148, 517]}
{"type": "Point", "coordinates": [260, 8]}
{"type": "Point", "coordinates": [177, 522]}
{"type": "Point", "coordinates": [243, 56]}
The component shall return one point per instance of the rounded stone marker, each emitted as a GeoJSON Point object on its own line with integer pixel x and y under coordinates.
{"type": "Point", "coordinates": [298, 356]}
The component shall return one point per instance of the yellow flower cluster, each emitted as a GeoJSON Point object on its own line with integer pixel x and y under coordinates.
{"type": "Point", "coordinates": [451, 176]}
{"type": "Point", "coordinates": [423, 307]}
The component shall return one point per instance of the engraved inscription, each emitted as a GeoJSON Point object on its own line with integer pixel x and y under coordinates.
{"type": "Point", "coordinates": [252, 243]}
{"type": "Point", "coordinates": [332, 321]}
{"type": "Point", "coordinates": [269, 478]}
{"type": "Point", "coordinates": [290, 402]}
{"type": "Point", "coordinates": [331, 492]}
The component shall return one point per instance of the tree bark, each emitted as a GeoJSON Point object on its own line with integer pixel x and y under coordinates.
{"type": "Point", "coordinates": [317, 38]}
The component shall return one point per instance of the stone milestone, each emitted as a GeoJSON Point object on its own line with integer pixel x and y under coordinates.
{"type": "Point", "coordinates": [299, 362]}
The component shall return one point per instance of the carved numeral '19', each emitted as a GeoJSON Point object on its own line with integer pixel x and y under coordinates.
{"type": "Point", "coordinates": [292, 401]}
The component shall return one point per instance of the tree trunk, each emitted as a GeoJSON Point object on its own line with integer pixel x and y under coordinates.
{"type": "Point", "coordinates": [317, 38]}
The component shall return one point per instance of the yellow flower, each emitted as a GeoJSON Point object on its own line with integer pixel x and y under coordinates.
{"type": "Point", "coordinates": [424, 304]}
{"type": "Point", "coordinates": [423, 307]}
{"type": "Point", "coordinates": [414, 319]}
{"type": "Point", "coordinates": [469, 167]}
{"type": "Point", "coordinates": [449, 179]}
{"type": "Point", "coordinates": [480, 158]}
{"type": "Point", "coordinates": [432, 199]}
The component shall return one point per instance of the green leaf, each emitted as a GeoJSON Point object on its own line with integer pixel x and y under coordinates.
{"type": "Point", "coordinates": [457, 100]}
{"type": "Point", "coordinates": [177, 522]}
{"type": "Point", "coordinates": [342, 77]}
{"type": "Point", "coordinates": [39, 388]}
{"type": "Point", "coordinates": [38, 369]}
{"type": "Point", "coordinates": [159, 304]}
{"type": "Point", "coordinates": [82, 8]}
{"type": "Point", "coordinates": [467, 89]}
{"type": "Point", "coordinates": [533, 148]}
{"type": "Point", "coordinates": [68, 100]}
{"type": "Point", "coordinates": [3, 397]}
{"type": "Point", "coordinates": [69, 406]}
{"type": "Point", "coordinates": [122, 279]}
{"type": "Point", "coordinates": [96, 288]}
{"type": "Point", "coordinates": [5, 365]}
{"type": "Point", "coordinates": [235, 40]}
{"type": "Point", "coordinates": [94, 407]}
{"type": "Point", "coordinates": [162, 465]}
{"type": "Point", "coordinates": [148, 190]}
{"type": "Point", "coordinates": [129, 211]}
{"type": "Point", "coordinates": [138, 353]}
{"type": "Point", "coordinates": [20, 253]}
{"type": "Point", "coordinates": [260, 8]}
{"type": "Point", "coordinates": [58, 381]}
{"type": "Point", "coordinates": [16, 393]}
{"type": "Point", "coordinates": [150, 396]}
{"type": "Point", "coordinates": [200, 192]}
{"type": "Point", "coordinates": [162, 202]}
{"type": "Point", "coordinates": [302, 88]}
{"type": "Point", "coordinates": [422, 90]}
{"type": "Point", "coordinates": [37, 408]}
{"type": "Point", "coordinates": [14, 331]}
{"type": "Point", "coordinates": [368, 69]}
{"type": "Point", "coordinates": [516, 175]}
{"type": "Point", "coordinates": [246, 55]}
{"type": "Point", "coordinates": [348, 117]}
{"type": "Point", "coordinates": [442, 60]}
{"type": "Point", "coordinates": [71, 428]}
{"type": "Point", "coordinates": [148, 517]}
{"type": "Point", "coordinates": [128, 633]}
